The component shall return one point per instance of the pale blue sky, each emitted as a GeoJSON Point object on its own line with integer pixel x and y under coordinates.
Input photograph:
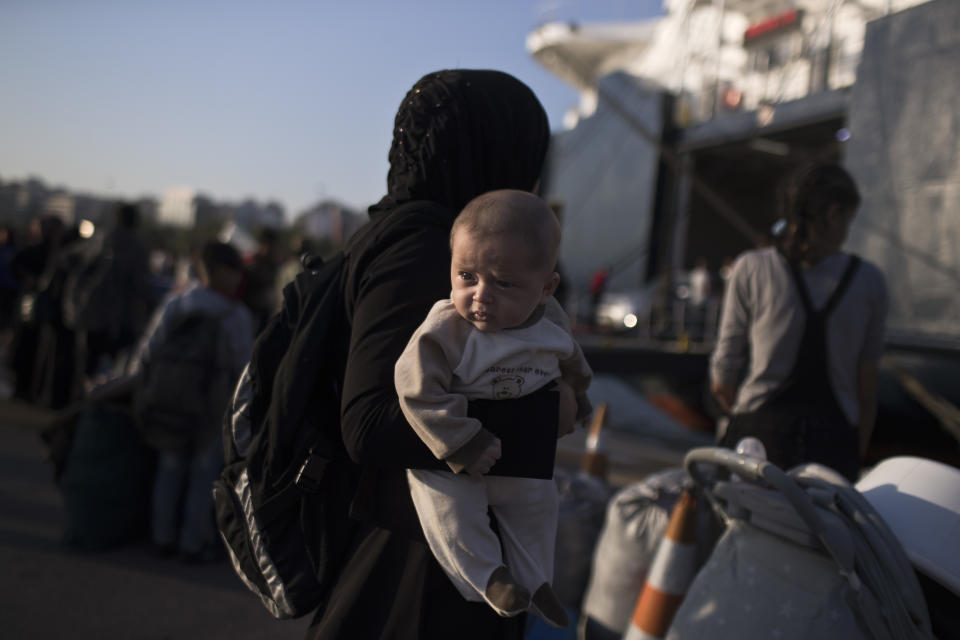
{"type": "Point", "coordinates": [284, 100]}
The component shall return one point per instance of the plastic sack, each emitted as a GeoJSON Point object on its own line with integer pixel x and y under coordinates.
{"type": "Point", "coordinates": [804, 555]}
{"type": "Point", "coordinates": [636, 519]}
{"type": "Point", "coordinates": [755, 581]}
{"type": "Point", "coordinates": [106, 482]}
{"type": "Point", "coordinates": [583, 501]}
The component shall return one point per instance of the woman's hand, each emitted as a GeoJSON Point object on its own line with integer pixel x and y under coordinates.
{"type": "Point", "coordinates": [567, 413]}
{"type": "Point", "coordinates": [488, 457]}
{"type": "Point", "coordinates": [724, 393]}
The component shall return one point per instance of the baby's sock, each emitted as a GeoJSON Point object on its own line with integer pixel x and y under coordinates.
{"type": "Point", "coordinates": [548, 605]}
{"type": "Point", "coordinates": [505, 594]}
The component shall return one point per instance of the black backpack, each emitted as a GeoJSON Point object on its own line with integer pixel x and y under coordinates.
{"type": "Point", "coordinates": [182, 391]}
{"type": "Point", "coordinates": [283, 500]}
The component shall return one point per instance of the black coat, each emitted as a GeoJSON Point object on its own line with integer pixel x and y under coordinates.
{"type": "Point", "coordinates": [458, 134]}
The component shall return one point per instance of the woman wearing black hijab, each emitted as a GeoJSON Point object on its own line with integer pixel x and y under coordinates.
{"type": "Point", "coordinates": [457, 134]}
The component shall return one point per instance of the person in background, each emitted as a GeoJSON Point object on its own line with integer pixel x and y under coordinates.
{"type": "Point", "coordinates": [301, 249]}
{"type": "Point", "coordinates": [9, 285]}
{"type": "Point", "coordinates": [457, 134]}
{"type": "Point", "coordinates": [116, 312]}
{"type": "Point", "coordinates": [500, 334]}
{"type": "Point", "coordinates": [700, 287]}
{"type": "Point", "coordinates": [726, 269]}
{"type": "Point", "coordinates": [32, 266]}
{"type": "Point", "coordinates": [54, 380]}
{"type": "Point", "coordinates": [263, 267]}
{"type": "Point", "coordinates": [186, 478]}
{"type": "Point", "coordinates": [598, 285]}
{"type": "Point", "coordinates": [701, 291]}
{"type": "Point", "coordinates": [802, 333]}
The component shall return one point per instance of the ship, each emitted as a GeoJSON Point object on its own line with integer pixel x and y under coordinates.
{"type": "Point", "coordinates": [686, 123]}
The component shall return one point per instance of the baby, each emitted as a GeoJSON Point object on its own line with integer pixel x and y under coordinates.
{"type": "Point", "coordinates": [501, 334]}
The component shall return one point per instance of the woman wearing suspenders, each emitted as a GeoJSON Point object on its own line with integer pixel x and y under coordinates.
{"type": "Point", "coordinates": [802, 334]}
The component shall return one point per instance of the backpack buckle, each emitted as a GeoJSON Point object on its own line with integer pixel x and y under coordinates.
{"type": "Point", "coordinates": [311, 473]}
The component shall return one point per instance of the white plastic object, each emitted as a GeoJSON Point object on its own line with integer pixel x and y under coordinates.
{"type": "Point", "coordinates": [920, 501]}
{"type": "Point", "coordinates": [752, 447]}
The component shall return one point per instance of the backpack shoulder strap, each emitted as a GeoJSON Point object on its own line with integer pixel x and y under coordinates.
{"type": "Point", "coordinates": [797, 276]}
{"type": "Point", "coordinates": [842, 286]}
{"type": "Point", "coordinates": [851, 270]}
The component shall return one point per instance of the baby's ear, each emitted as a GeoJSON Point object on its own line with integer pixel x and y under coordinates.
{"type": "Point", "coordinates": [553, 281]}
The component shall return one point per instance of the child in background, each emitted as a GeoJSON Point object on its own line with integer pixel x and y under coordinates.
{"type": "Point", "coordinates": [182, 508]}
{"type": "Point", "coordinates": [500, 335]}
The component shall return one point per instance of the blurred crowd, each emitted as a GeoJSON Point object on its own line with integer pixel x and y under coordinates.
{"type": "Point", "coordinates": [74, 304]}
{"type": "Point", "coordinates": [682, 306]}
{"type": "Point", "coordinates": [112, 331]}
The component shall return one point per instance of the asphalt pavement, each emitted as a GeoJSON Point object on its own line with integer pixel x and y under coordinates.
{"type": "Point", "coordinates": [50, 592]}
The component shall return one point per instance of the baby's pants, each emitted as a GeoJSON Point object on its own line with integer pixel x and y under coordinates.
{"type": "Point", "coordinates": [453, 513]}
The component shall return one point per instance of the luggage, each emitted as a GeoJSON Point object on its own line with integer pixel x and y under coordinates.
{"type": "Point", "coordinates": [636, 520]}
{"type": "Point", "coordinates": [583, 501]}
{"type": "Point", "coordinates": [804, 555]}
{"type": "Point", "coordinates": [184, 387]}
{"type": "Point", "coordinates": [106, 481]}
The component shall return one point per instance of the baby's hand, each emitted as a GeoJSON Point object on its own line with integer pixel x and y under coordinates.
{"type": "Point", "coordinates": [485, 461]}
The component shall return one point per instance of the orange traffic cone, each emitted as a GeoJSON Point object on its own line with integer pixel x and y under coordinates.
{"type": "Point", "coordinates": [670, 574]}
{"type": "Point", "coordinates": [594, 462]}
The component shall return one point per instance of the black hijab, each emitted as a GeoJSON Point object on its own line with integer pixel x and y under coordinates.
{"type": "Point", "coordinates": [461, 133]}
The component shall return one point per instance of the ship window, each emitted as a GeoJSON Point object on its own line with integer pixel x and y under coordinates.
{"type": "Point", "coordinates": [776, 53]}
{"type": "Point", "coordinates": [779, 55]}
{"type": "Point", "coordinates": [773, 56]}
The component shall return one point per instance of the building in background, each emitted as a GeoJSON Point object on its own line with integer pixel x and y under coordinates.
{"type": "Point", "coordinates": [251, 214]}
{"type": "Point", "coordinates": [178, 207]}
{"type": "Point", "coordinates": [22, 201]}
{"type": "Point", "coordinates": [329, 220]}
{"type": "Point", "coordinates": [186, 207]}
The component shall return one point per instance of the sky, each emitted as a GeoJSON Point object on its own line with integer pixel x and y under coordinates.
{"type": "Point", "coordinates": [273, 100]}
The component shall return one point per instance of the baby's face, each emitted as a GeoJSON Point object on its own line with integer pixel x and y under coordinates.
{"type": "Point", "coordinates": [494, 285]}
